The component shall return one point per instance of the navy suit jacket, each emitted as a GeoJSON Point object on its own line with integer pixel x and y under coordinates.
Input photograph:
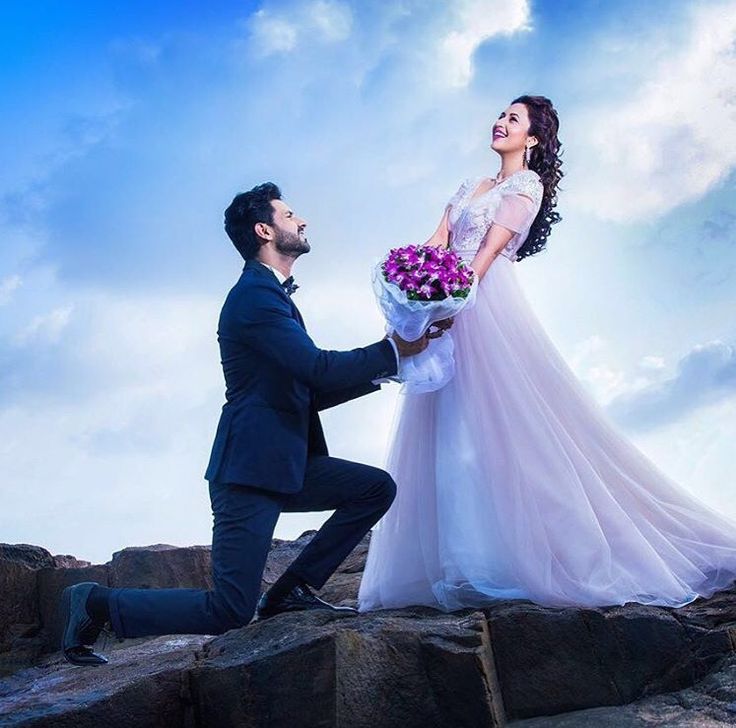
{"type": "Point", "coordinates": [276, 380]}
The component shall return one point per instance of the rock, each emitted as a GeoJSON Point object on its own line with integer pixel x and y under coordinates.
{"type": "Point", "coordinates": [419, 667]}
{"type": "Point", "coordinates": [29, 622]}
{"type": "Point", "coordinates": [65, 561]}
{"type": "Point", "coordinates": [623, 666]}
{"type": "Point", "coordinates": [19, 613]}
{"type": "Point", "coordinates": [162, 566]}
{"type": "Point", "coordinates": [22, 553]}
{"type": "Point", "coordinates": [18, 607]}
{"type": "Point", "coordinates": [316, 669]}
{"type": "Point", "coordinates": [710, 703]}
{"type": "Point", "coordinates": [143, 686]}
{"type": "Point", "coordinates": [559, 660]}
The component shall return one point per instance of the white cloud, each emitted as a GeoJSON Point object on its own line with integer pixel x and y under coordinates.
{"type": "Point", "coordinates": [281, 32]}
{"type": "Point", "coordinates": [332, 20]}
{"type": "Point", "coordinates": [8, 286]}
{"type": "Point", "coordinates": [272, 34]}
{"type": "Point", "coordinates": [652, 363]}
{"type": "Point", "coordinates": [470, 24]}
{"type": "Point", "coordinates": [128, 454]}
{"type": "Point", "coordinates": [123, 453]}
{"type": "Point", "coordinates": [697, 452]}
{"type": "Point", "coordinates": [648, 394]}
{"type": "Point", "coordinates": [662, 411]}
{"type": "Point", "coordinates": [670, 139]}
{"type": "Point", "coordinates": [590, 360]}
{"type": "Point", "coordinates": [440, 40]}
{"type": "Point", "coordinates": [705, 375]}
{"type": "Point", "coordinates": [46, 328]}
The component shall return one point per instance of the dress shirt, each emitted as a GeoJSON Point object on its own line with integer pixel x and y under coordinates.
{"type": "Point", "coordinates": [279, 275]}
{"type": "Point", "coordinates": [396, 377]}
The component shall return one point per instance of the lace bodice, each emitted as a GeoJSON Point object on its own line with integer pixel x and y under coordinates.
{"type": "Point", "coordinates": [469, 220]}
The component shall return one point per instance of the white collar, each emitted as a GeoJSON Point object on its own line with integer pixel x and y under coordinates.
{"type": "Point", "coordinates": [279, 275]}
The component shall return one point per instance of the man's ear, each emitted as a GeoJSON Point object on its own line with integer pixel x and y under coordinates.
{"type": "Point", "coordinates": [263, 231]}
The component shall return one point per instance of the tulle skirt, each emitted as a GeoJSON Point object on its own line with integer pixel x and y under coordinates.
{"type": "Point", "coordinates": [512, 484]}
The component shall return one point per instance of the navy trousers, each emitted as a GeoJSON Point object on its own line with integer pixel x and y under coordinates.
{"type": "Point", "coordinates": [244, 520]}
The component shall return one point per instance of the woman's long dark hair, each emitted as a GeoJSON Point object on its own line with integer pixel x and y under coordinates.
{"type": "Point", "coordinates": [545, 160]}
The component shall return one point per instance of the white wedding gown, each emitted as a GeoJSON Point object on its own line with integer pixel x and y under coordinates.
{"type": "Point", "coordinates": [512, 484]}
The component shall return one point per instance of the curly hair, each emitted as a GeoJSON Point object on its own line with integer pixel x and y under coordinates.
{"type": "Point", "coordinates": [544, 159]}
{"type": "Point", "coordinates": [245, 211]}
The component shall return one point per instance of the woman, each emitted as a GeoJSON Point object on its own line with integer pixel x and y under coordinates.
{"type": "Point", "coordinates": [511, 482]}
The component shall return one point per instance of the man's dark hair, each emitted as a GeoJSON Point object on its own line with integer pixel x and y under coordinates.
{"type": "Point", "coordinates": [247, 209]}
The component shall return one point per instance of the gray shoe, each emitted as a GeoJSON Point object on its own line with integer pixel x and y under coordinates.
{"type": "Point", "coordinates": [80, 632]}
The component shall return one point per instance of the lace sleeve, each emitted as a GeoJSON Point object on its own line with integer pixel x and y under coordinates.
{"type": "Point", "coordinates": [515, 212]}
{"type": "Point", "coordinates": [527, 183]}
{"type": "Point", "coordinates": [520, 202]}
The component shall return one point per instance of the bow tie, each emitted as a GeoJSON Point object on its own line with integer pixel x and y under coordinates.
{"type": "Point", "coordinates": [289, 286]}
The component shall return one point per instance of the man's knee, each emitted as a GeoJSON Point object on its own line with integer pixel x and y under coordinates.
{"type": "Point", "coordinates": [385, 488]}
{"type": "Point", "coordinates": [233, 614]}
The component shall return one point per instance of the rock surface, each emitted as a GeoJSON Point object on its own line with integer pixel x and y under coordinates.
{"type": "Point", "coordinates": [709, 703]}
{"type": "Point", "coordinates": [514, 663]}
{"type": "Point", "coordinates": [20, 619]}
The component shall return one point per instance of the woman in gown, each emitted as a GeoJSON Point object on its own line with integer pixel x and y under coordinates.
{"type": "Point", "coordinates": [512, 484]}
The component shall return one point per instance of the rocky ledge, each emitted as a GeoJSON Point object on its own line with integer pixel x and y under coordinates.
{"type": "Point", "coordinates": [514, 663]}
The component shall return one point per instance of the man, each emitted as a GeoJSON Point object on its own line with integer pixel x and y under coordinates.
{"type": "Point", "coordinates": [269, 454]}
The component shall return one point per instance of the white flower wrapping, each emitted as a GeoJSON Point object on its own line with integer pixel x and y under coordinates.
{"type": "Point", "coordinates": [433, 368]}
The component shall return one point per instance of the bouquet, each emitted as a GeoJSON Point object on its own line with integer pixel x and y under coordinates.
{"type": "Point", "coordinates": [417, 286]}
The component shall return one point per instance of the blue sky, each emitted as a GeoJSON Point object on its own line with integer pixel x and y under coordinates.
{"type": "Point", "coordinates": [128, 127]}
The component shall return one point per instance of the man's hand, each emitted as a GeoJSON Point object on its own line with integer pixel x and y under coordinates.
{"type": "Point", "coordinates": [439, 328]}
{"type": "Point", "coordinates": [410, 348]}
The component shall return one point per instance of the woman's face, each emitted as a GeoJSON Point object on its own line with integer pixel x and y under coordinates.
{"type": "Point", "coordinates": [510, 132]}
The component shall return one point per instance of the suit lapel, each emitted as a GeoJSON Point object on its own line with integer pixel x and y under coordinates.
{"type": "Point", "coordinates": [261, 269]}
{"type": "Point", "coordinates": [298, 314]}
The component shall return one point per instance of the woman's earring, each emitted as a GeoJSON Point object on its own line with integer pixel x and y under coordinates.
{"type": "Point", "coordinates": [527, 155]}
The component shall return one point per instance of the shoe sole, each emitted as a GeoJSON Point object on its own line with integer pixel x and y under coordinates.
{"type": "Point", "coordinates": [260, 616]}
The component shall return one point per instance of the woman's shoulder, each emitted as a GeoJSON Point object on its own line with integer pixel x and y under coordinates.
{"type": "Point", "coordinates": [528, 175]}
{"type": "Point", "coordinates": [527, 182]}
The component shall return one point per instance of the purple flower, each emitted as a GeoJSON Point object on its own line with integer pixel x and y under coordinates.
{"type": "Point", "coordinates": [428, 273]}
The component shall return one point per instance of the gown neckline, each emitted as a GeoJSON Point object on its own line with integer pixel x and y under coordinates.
{"type": "Point", "coordinates": [473, 197]}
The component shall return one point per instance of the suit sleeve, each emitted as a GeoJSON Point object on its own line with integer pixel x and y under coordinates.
{"type": "Point", "coordinates": [325, 400]}
{"type": "Point", "coordinates": [266, 325]}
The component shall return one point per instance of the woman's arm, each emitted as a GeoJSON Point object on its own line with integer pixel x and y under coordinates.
{"type": "Point", "coordinates": [494, 242]}
{"type": "Point", "coordinates": [512, 216]}
{"type": "Point", "coordinates": [441, 236]}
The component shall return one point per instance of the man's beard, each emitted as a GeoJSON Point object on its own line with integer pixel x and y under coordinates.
{"type": "Point", "coordinates": [290, 244]}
